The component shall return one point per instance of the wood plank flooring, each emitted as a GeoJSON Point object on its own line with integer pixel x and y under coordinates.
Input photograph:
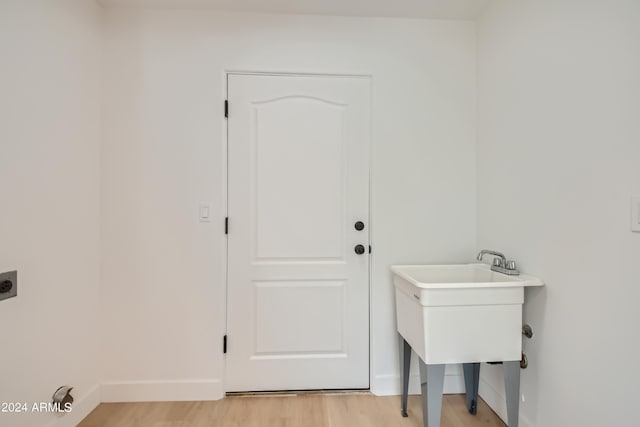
{"type": "Point", "coordinates": [301, 410]}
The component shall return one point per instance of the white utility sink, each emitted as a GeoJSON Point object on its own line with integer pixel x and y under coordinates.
{"type": "Point", "coordinates": [460, 313]}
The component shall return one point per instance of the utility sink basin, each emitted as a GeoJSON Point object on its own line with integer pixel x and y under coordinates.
{"type": "Point", "coordinates": [463, 313]}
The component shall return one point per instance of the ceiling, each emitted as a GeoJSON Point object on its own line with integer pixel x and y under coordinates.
{"type": "Point", "coordinates": [434, 9]}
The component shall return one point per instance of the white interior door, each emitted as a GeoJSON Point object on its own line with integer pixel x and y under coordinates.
{"type": "Point", "coordinates": [298, 293]}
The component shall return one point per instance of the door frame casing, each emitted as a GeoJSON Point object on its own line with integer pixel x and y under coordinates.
{"type": "Point", "coordinates": [225, 190]}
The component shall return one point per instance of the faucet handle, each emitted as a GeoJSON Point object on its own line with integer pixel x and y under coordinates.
{"type": "Point", "coordinates": [497, 262]}
{"type": "Point", "coordinates": [511, 265]}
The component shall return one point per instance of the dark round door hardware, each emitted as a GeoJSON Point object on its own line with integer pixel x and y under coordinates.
{"type": "Point", "coordinates": [359, 249]}
{"type": "Point", "coordinates": [359, 225]}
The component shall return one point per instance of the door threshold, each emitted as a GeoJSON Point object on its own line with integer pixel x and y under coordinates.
{"type": "Point", "coordinates": [294, 393]}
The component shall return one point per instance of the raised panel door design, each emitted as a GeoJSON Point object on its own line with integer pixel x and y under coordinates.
{"type": "Point", "coordinates": [299, 167]}
{"type": "Point", "coordinates": [315, 305]}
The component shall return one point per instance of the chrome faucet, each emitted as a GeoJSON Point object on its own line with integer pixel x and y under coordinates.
{"type": "Point", "coordinates": [500, 262]}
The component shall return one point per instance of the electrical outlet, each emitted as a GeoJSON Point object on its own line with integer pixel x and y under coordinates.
{"type": "Point", "coordinates": [8, 284]}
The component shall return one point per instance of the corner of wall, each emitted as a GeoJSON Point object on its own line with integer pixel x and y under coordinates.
{"type": "Point", "coordinates": [497, 401]}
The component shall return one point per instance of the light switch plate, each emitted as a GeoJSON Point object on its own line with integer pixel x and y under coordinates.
{"type": "Point", "coordinates": [635, 214]}
{"type": "Point", "coordinates": [8, 285]}
{"type": "Point", "coordinates": [204, 212]}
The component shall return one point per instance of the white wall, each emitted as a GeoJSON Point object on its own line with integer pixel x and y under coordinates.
{"type": "Point", "coordinates": [558, 146]}
{"type": "Point", "coordinates": [49, 220]}
{"type": "Point", "coordinates": [163, 271]}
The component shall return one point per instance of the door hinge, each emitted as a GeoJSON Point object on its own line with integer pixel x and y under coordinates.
{"type": "Point", "coordinates": [226, 109]}
{"type": "Point", "coordinates": [224, 345]}
{"type": "Point", "coordinates": [369, 248]}
{"type": "Point", "coordinates": [226, 225]}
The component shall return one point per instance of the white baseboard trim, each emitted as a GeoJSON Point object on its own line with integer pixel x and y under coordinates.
{"type": "Point", "coordinates": [498, 402]}
{"type": "Point", "coordinates": [162, 391]}
{"type": "Point", "coordinates": [389, 385]}
{"type": "Point", "coordinates": [81, 408]}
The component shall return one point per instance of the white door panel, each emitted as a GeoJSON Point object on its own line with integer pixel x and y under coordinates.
{"type": "Point", "coordinates": [298, 294]}
{"type": "Point", "coordinates": [283, 203]}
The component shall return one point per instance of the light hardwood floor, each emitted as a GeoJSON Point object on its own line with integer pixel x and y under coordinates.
{"type": "Point", "coordinates": [302, 410]}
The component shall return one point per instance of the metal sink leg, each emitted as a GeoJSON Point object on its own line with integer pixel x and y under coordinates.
{"type": "Point", "coordinates": [471, 382]}
{"type": "Point", "coordinates": [432, 382]}
{"type": "Point", "coordinates": [406, 365]}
